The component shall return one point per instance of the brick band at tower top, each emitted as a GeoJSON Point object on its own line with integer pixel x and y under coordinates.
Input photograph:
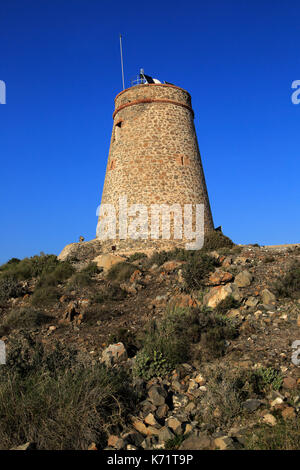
{"type": "Point", "coordinates": [154, 156]}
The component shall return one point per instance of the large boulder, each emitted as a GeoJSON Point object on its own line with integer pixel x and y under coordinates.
{"type": "Point", "coordinates": [219, 293]}
{"type": "Point", "coordinates": [252, 301]}
{"type": "Point", "coordinates": [82, 251]}
{"type": "Point", "coordinates": [219, 277]}
{"type": "Point", "coordinates": [197, 442]}
{"type": "Point", "coordinates": [165, 434]}
{"type": "Point", "coordinates": [114, 354]}
{"type": "Point", "coordinates": [224, 443]}
{"type": "Point", "coordinates": [170, 266]}
{"type": "Point", "coordinates": [267, 297]}
{"type": "Point", "coordinates": [243, 279]}
{"type": "Point", "coordinates": [157, 395]}
{"type": "Point", "coordinates": [107, 261]}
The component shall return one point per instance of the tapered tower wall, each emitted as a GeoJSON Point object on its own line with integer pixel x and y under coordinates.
{"type": "Point", "coordinates": [154, 156]}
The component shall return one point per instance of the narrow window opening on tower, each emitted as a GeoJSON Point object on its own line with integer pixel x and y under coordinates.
{"type": "Point", "coordinates": [118, 127]}
{"type": "Point", "coordinates": [182, 160]}
{"type": "Point", "coordinates": [112, 165]}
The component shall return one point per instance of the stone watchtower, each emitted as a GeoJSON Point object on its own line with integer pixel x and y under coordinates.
{"type": "Point", "coordinates": [154, 158]}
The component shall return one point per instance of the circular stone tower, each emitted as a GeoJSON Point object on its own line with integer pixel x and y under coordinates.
{"type": "Point", "coordinates": [153, 159]}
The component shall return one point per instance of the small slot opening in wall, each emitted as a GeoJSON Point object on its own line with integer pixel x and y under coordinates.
{"type": "Point", "coordinates": [112, 165]}
{"type": "Point", "coordinates": [117, 133]}
{"type": "Point", "coordinates": [182, 160]}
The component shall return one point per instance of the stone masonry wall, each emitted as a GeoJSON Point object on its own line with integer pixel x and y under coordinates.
{"type": "Point", "coordinates": [154, 156]}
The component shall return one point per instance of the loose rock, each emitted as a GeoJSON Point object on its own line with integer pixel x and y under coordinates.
{"type": "Point", "coordinates": [114, 354]}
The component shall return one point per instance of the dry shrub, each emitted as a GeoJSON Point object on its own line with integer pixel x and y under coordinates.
{"type": "Point", "coordinates": [214, 240]}
{"type": "Point", "coordinates": [284, 436]}
{"type": "Point", "coordinates": [226, 391]}
{"type": "Point", "coordinates": [196, 270]}
{"type": "Point", "coordinates": [121, 272]}
{"type": "Point", "coordinates": [289, 285]}
{"type": "Point", "coordinates": [10, 287]}
{"type": "Point", "coordinates": [25, 317]}
{"type": "Point", "coordinates": [59, 404]}
{"type": "Point", "coordinates": [109, 292]}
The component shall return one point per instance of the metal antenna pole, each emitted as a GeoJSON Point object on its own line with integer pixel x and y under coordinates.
{"type": "Point", "coordinates": [122, 61]}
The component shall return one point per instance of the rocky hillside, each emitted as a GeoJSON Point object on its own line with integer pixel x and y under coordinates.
{"type": "Point", "coordinates": [177, 350]}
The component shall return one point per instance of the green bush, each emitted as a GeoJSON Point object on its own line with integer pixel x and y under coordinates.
{"type": "Point", "coordinates": [152, 365]}
{"type": "Point", "coordinates": [45, 296]}
{"type": "Point", "coordinates": [196, 270]}
{"type": "Point", "coordinates": [289, 285]}
{"type": "Point", "coordinates": [164, 344]}
{"type": "Point", "coordinates": [136, 256]}
{"type": "Point", "coordinates": [59, 406]}
{"type": "Point", "coordinates": [178, 254]}
{"type": "Point", "coordinates": [265, 378]}
{"type": "Point", "coordinates": [12, 261]}
{"type": "Point", "coordinates": [169, 336]}
{"type": "Point", "coordinates": [30, 268]}
{"type": "Point", "coordinates": [58, 275]}
{"type": "Point", "coordinates": [168, 342]}
{"type": "Point", "coordinates": [121, 272]}
{"type": "Point", "coordinates": [47, 268]}
{"type": "Point", "coordinates": [9, 287]}
{"type": "Point", "coordinates": [214, 240]}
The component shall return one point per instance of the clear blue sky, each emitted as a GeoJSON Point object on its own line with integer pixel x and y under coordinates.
{"type": "Point", "coordinates": [60, 61]}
